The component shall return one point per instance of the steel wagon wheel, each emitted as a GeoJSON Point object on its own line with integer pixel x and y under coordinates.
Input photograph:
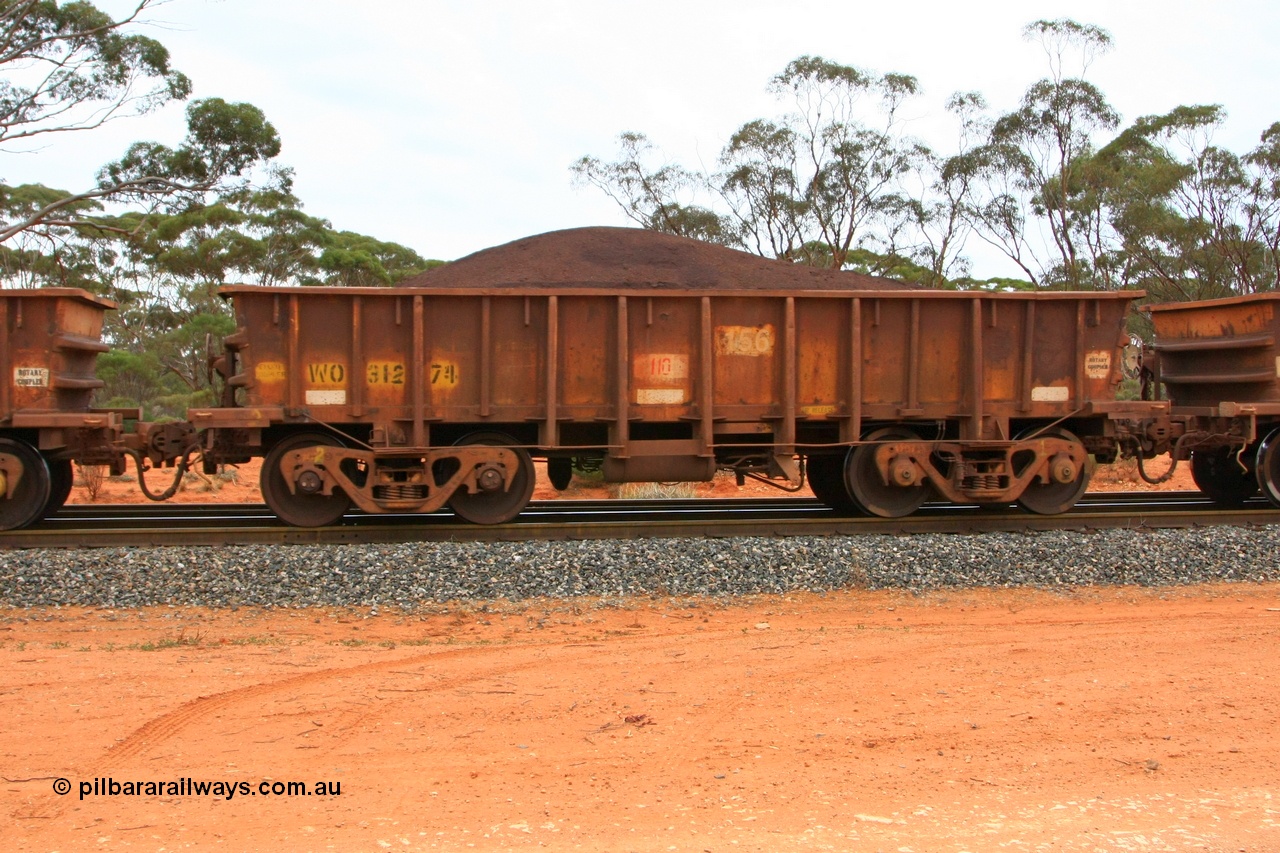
{"type": "Point", "coordinates": [1268, 466]}
{"type": "Point", "coordinates": [872, 494]}
{"type": "Point", "coordinates": [1053, 497]}
{"type": "Point", "coordinates": [1221, 478]}
{"type": "Point", "coordinates": [24, 484]}
{"type": "Point", "coordinates": [305, 506]}
{"type": "Point", "coordinates": [496, 505]}
{"type": "Point", "coordinates": [61, 478]}
{"type": "Point", "coordinates": [826, 481]}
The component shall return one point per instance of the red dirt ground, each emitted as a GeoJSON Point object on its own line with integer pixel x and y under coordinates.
{"type": "Point", "coordinates": [1093, 720]}
{"type": "Point", "coordinates": [1085, 720]}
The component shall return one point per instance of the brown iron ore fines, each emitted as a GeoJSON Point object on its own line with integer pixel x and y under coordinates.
{"type": "Point", "coordinates": [635, 258]}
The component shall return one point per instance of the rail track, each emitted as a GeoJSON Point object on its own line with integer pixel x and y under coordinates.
{"type": "Point", "coordinates": [134, 525]}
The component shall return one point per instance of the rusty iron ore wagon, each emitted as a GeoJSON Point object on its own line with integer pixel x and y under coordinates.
{"type": "Point", "coordinates": [406, 399]}
{"type": "Point", "coordinates": [1219, 362]}
{"type": "Point", "coordinates": [50, 339]}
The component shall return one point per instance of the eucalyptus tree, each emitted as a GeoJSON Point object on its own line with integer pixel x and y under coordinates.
{"type": "Point", "coordinates": [940, 206]}
{"type": "Point", "coordinates": [165, 271]}
{"type": "Point", "coordinates": [1033, 204]}
{"type": "Point", "coordinates": [70, 68]}
{"type": "Point", "coordinates": [848, 155]}
{"type": "Point", "coordinates": [813, 185]}
{"type": "Point", "coordinates": [656, 197]}
{"type": "Point", "coordinates": [1192, 220]}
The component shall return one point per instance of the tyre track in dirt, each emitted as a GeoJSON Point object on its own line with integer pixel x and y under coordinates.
{"type": "Point", "coordinates": [534, 657]}
{"type": "Point", "coordinates": [171, 724]}
{"type": "Point", "coordinates": [546, 722]}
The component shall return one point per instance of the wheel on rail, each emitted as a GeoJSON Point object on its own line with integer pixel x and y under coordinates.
{"type": "Point", "coordinates": [305, 506]}
{"type": "Point", "coordinates": [1223, 477]}
{"type": "Point", "coordinates": [1267, 465]}
{"type": "Point", "coordinates": [498, 505]}
{"type": "Point", "coordinates": [826, 480]}
{"type": "Point", "coordinates": [869, 490]}
{"type": "Point", "coordinates": [61, 478]}
{"type": "Point", "coordinates": [1053, 497]}
{"type": "Point", "coordinates": [23, 501]}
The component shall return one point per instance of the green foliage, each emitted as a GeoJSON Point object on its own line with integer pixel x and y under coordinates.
{"type": "Point", "coordinates": [72, 67]}
{"type": "Point", "coordinates": [165, 226]}
{"type": "Point", "coordinates": [82, 68]}
{"type": "Point", "coordinates": [223, 141]}
{"type": "Point", "coordinates": [1190, 220]}
{"type": "Point", "coordinates": [1072, 197]}
{"type": "Point", "coordinates": [823, 175]}
{"type": "Point", "coordinates": [354, 260]}
{"type": "Point", "coordinates": [651, 196]}
{"type": "Point", "coordinates": [164, 271]}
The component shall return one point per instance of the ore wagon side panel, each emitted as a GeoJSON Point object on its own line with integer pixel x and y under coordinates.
{"type": "Point", "coordinates": [664, 355]}
{"type": "Point", "coordinates": [677, 358]}
{"type": "Point", "coordinates": [943, 388]}
{"type": "Point", "coordinates": [943, 336]}
{"type": "Point", "coordinates": [52, 338]}
{"type": "Point", "coordinates": [383, 367]}
{"type": "Point", "coordinates": [823, 357]}
{"type": "Point", "coordinates": [747, 345]}
{"type": "Point", "coordinates": [1219, 360]}
{"type": "Point", "coordinates": [1219, 350]}
{"type": "Point", "coordinates": [1051, 355]}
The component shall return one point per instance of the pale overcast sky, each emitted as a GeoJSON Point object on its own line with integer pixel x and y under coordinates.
{"type": "Point", "coordinates": [451, 126]}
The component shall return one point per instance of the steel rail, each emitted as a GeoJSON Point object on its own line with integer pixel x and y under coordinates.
{"type": "Point", "coordinates": [136, 525]}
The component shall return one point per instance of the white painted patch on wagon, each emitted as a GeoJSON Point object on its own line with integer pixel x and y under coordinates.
{"type": "Point", "coordinates": [1050, 394]}
{"type": "Point", "coordinates": [326, 398]}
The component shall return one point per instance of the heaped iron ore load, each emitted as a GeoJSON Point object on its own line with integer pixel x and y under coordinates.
{"type": "Point", "coordinates": [654, 358]}
{"type": "Point", "coordinates": [1219, 362]}
{"type": "Point", "coordinates": [628, 259]}
{"type": "Point", "coordinates": [49, 342]}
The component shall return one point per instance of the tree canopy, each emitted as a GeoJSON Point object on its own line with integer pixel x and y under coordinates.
{"type": "Point", "coordinates": [1058, 184]}
{"type": "Point", "coordinates": [163, 225]}
{"type": "Point", "coordinates": [72, 68]}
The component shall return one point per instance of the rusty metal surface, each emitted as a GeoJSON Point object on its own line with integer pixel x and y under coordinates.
{"type": "Point", "coordinates": [1219, 351]}
{"type": "Point", "coordinates": [49, 341]}
{"type": "Point", "coordinates": [799, 367]}
{"type": "Point", "coordinates": [672, 384]}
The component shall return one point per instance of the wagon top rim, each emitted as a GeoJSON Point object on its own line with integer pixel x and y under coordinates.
{"type": "Point", "coordinates": [646, 290]}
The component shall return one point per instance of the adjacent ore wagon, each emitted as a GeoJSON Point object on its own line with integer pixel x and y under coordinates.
{"type": "Point", "coordinates": [49, 343]}
{"type": "Point", "coordinates": [1220, 364]}
{"type": "Point", "coordinates": [618, 351]}
{"type": "Point", "coordinates": [51, 339]}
